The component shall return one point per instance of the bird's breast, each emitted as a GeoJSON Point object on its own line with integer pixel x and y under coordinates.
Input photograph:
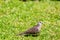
{"type": "Point", "coordinates": [38, 28]}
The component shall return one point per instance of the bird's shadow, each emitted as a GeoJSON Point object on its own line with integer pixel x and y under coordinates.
{"type": "Point", "coordinates": [31, 35]}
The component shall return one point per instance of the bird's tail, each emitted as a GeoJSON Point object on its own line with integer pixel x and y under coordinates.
{"type": "Point", "coordinates": [20, 34]}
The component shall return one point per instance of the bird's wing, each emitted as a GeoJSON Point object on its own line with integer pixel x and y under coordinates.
{"type": "Point", "coordinates": [31, 30]}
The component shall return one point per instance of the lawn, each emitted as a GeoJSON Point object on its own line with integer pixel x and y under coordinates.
{"type": "Point", "coordinates": [17, 16]}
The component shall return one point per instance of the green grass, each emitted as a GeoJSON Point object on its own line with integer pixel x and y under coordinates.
{"type": "Point", "coordinates": [17, 16]}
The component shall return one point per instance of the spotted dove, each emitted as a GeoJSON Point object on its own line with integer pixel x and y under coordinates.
{"type": "Point", "coordinates": [34, 30]}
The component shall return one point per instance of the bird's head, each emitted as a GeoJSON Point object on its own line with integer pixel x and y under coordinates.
{"type": "Point", "coordinates": [39, 23]}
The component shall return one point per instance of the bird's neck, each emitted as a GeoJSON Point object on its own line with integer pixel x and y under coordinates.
{"type": "Point", "coordinates": [38, 24]}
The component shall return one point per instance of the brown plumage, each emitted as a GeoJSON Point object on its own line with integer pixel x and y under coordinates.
{"type": "Point", "coordinates": [33, 30]}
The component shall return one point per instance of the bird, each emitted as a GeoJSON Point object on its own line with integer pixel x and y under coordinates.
{"type": "Point", "coordinates": [33, 30]}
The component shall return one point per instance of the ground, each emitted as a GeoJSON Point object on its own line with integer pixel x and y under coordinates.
{"type": "Point", "coordinates": [17, 16]}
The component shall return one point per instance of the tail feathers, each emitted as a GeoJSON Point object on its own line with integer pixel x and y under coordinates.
{"type": "Point", "coordinates": [21, 34]}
